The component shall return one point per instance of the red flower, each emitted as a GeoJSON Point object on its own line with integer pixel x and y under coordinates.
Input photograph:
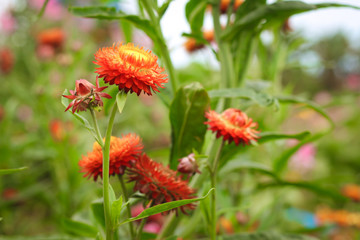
{"type": "Point", "coordinates": [233, 125]}
{"type": "Point", "coordinates": [352, 191]}
{"type": "Point", "coordinates": [159, 183]}
{"type": "Point", "coordinates": [131, 68]}
{"type": "Point", "coordinates": [123, 152]}
{"type": "Point", "coordinates": [53, 37]}
{"type": "Point", "coordinates": [86, 95]}
{"type": "Point", "coordinates": [6, 60]}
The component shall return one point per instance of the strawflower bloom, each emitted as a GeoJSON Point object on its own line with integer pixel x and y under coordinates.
{"type": "Point", "coordinates": [352, 191]}
{"type": "Point", "coordinates": [224, 5]}
{"type": "Point", "coordinates": [86, 95]}
{"type": "Point", "coordinates": [124, 152]}
{"type": "Point", "coordinates": [131, 68]}
{"type": "Point", "coordinates": [191, 45]}
{"type": "Point", "coordinates": [232, 125]}
{"type": "Point", "coordinates": [6, 60]}
{"type": "Point", "coordinates": [53, 37]}
{"type": "Point", "coordinates": [159, 183]}
{"type": "Point", "coordinates": [339, 217]}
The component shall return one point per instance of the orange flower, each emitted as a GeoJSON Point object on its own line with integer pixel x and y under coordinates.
{"type": "Point", "coordinates": [224, 4]}
{"type": "Point", "coordinates": [133, 69]}
{"type": "Point", "coordinates": [123, 152]}
{"type": "Point", "coordinates": [192, 45]}
{"type": "Point", "coordinates": [159, 183]}
{"type": "Point", "coordinates": [6, 60]}
{"type": "Point", "coordinates": [352, 191]}
{"type": "Point", "coordinates": [53, 37]}
{"type": "Point", "coordinates": [233, 125]}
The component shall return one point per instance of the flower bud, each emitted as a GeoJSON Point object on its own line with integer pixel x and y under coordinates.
{"type": "Point", "coordinates": [188, 165]}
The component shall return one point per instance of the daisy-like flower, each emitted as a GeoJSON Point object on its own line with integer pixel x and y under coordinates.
{"type": "Point", "coordinates": [131, 68]}
{"type": "Point", "coordinates": [123, 153]}
{"type": "Point", "coordinates": [159, 183]}
{"type": "Point", "coordinates": [86, 95]}
{"type": "Point", "coordinates": [232, 125]}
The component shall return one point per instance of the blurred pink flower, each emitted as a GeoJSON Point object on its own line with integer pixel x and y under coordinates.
{"type": "Point", "coordinates": [53, 11]}
{"type": "Point", "coordinates": [153, 224]}
{"type": "Point", "coordinates": [7, 23]}
{"type": "Point", "coordinates": [353, 81]}
{"type": "Point", "coordinates": [303, 161]}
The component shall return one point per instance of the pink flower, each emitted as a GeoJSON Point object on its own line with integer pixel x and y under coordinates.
{"type": "Point", "coordinates": [303, 160]}
{"type": "Point", "coordinates": [86, 95]}
{"type": "Point", "coordinates": [7, 23]}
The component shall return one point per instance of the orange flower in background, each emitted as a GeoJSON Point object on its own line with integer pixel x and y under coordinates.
{"type": "Point", "coordinates": [192, 45]}
{"type": "Point", "coordinates": [124, 152]}
{"type": "Point", "coordinates": [351, 191]}
{"type": "Point", "coordinates": [6, 60]}
{"type": "Point", "coordinates": [131, 68]}
{"type": "Point", "coordinates": [224, 5]}
{"type": "Point", "coordinates": [86, 95]}
{"type": "Point", "coordinates": [53, 37]}
{"type": "Point", "coordinates": [232, 125]}
{"type": "Point", "coordinates": [159, 183]}
{"type": "Point", "coordinates": [339, 217]}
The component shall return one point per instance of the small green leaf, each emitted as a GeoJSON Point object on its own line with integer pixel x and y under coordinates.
{"type": "Point", "coordinates": [272, 136]}
{"type": "Point", "coordinates": [267, 236]}
{"type": "Point", "coordinates": [110, 13]}
{"type": "Point", "coordinates": [187, 117]}
{"type": "Point", "coordinates": [79, 228]}
{"type": "Point", "coordinates": [308, 103]}
{"type": "Point", "coordinates": [121, 100]}
{"type": "Point", "coordinates": [163, 8]}
{"type": "Point", "coordinates": [165, 207]}
{"type": "Point", "coordinates": [12, 170]}
{"type": "Point", "coordinates": [262, 99]}
{"type": "Point", "coordinates": [116, 208]}
{"type": "Point", "coordinates": [326, 5]}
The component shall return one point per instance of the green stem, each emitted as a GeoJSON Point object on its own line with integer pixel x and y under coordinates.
{"type": "Point", "coordinates": [123, 189]}
{"type": "Point", "coordinates": [164, 51]}
{"type": "Point", "coordinates": [99, 138]}
{"type": "Point", "coordinates": [213, 173]}
{"type": "Point", "coordinates": [106, 184]}
{"type": "Point", "coordinates": [140, 228]}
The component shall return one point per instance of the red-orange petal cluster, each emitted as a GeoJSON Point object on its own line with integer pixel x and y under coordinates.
{"type": "Point", "coordinates": [191, 45]}
{"type": "Point", "coordinates": [132, 68]}
{"type": "Point", "coordinates": [352, 191]}
{"type": "Point", "coordinates": [224, 5]}
{"type": "Point", "coordinates": [123, 153]}
{"type": "Point", "coordinates": [232, 125]}
{"type": "Point", "coordinates": [6, 60]}
{"type": "Point", "coordinates": [159, 183]}
{"type": "Point", "coordinates": [54, 37]}
{"type": "Point", "coordinates": [339, 217]}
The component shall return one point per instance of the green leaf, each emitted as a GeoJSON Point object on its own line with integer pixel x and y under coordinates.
{"type": "Point", "coordinates": [165, 207]}
{"type": "Point", "coordinates": [279, 11]}
{"type": "Point", "coordinates": [187, 117]}
{"type": "Point", "coordinates": [262, 99]}
{"type": "Point", "coordinates": [272, 136]}
{"type": "Point", "coordinates": [121, 100]}
{"type": "Point", "coordinates": [266, 236]}
{"type": "Point", "coordinates": [110, 13]}
{"type": "Point", "coordinates": [12, 170]}
{"type": "Point", "coordinates": [79, 229]}
{"type": "Point", "coordinates": [194, 12]}
{"type": "Point", "coordinates": [307, 103]}
{"type": "Point", "coordinates": [116, 208]}
{"type": "Point", "coordinates": [326, 5]}
{"type": "Point", "coordinates": [237, 164]}
{"type": "Point", "coordinates": [43, 8]}
{"type": "Point", "coordinates": [163, 8]}
{"type": "Point", "coordinates": [97, 209]}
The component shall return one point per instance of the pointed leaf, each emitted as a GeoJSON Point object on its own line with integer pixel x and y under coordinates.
{"type": "Point", "coordinates": [237, 164]}
{"type": "Point", "coordinates": [79, 228]}
{"type": "Point", "coordinates": [267, 236]}
{"type": "Point", "coordinates": [194, 12]}
{"type": "Point", "coordinates": [12, 170]}
{"type": "Point", "coordinates": [110, 13]}
{"type": "Point", "coordinates": [163, 8]}
{"type": "Point", "coordinates": [116, 208]}
{"type": "Point", "coordinates": [121, 100]}
{"type": "Point", "coordinates": [187, 117]}
{"type": "Point", "coordinates": [165, 207]}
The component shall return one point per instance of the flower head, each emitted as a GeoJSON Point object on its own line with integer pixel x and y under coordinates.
{"type": "Point", "coordinates": [133, 69]}
{"type": "Point", "coordinates": [232, 125]}
{"type": "Point", "coordinates": [53, 37]}
{"type": "Point", "coordinates": [86, 95]}
{"type": "Point", "coordinates": [188, 165]}
{"type": "Point", "coordinates": [123, 153]}
{"type": "Point", "coordinates": [224, 5]}
{"type": "Point", "coordinates": [191, 45]}
{"type": "Point", "coordinates": [159, 183]}
{"type": "Point", "coordinates": [352, 191]}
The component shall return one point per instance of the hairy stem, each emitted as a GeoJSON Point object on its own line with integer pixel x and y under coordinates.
{"type": "Point", "coordinates": [106, 184]}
